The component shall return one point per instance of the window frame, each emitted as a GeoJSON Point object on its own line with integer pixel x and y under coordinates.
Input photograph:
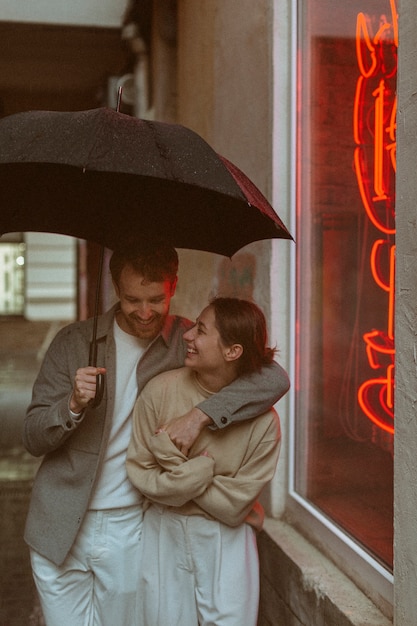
{"type": "Point", "coordinates": [366, 572]}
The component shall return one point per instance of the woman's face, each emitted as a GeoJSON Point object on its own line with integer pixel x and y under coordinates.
{"type": "Point", "coordinates": [205, 351]}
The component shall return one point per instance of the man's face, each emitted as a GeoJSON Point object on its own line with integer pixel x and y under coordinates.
{"type": "Point", "coordinates": [144, 305]}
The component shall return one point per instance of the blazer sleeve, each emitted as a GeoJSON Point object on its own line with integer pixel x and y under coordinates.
{"type": "Point", "coordinates": [247, 396]}
{"type": "Point", "coordinates": [48, 422]}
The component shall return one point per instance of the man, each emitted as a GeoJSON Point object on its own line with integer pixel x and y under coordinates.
{"type": "Point", "coordinates": [84, 520]}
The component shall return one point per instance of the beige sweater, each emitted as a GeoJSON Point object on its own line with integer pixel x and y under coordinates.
{"type": "Point", "coordinates": [225, 487]}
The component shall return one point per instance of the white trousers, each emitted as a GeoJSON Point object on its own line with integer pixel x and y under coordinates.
{"type": "Point", "coordinates": [197, 572]}
{"type": "Point", "coordinates": [98, 582]}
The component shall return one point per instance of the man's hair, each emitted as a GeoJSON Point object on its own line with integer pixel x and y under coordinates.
{"type": "Point", "coordinates": [155, 260]}
{"type": "Point", "coordinates": [243, 322]}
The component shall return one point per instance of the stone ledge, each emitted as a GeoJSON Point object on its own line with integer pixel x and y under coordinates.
{"type": "Point", "coordinates": [300, 587]}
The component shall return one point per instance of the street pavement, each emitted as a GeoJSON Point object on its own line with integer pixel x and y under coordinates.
{"type": "Point", "coordinates": [22, 346]}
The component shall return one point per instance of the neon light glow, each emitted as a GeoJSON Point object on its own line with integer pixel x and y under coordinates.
{"type": "Point", "coordinates": [374, 129]}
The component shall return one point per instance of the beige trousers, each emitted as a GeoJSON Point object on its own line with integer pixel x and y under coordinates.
{"type": "Point", "coordinates": [197, 571]}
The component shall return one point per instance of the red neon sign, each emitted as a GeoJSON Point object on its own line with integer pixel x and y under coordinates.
{"type": "Point", "coordinates": [375, 165]}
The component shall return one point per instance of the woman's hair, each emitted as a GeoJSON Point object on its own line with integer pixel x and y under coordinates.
{"type": "Point", "coordinates": [241, 321]}
{"type": "Point", "coordinates": [156, 261]}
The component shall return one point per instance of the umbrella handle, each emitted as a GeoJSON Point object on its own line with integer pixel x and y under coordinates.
{"type": "Point", "coordinates": [100, 379]}
{"type": "Point", "coordinates": [100, 384]}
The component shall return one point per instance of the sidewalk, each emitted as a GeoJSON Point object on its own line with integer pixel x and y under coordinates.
{"type": "Point", "coordinates": [22, 346]}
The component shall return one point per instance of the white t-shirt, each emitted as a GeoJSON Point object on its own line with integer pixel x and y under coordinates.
{"type": "Point", "coordinates": [113, 488]}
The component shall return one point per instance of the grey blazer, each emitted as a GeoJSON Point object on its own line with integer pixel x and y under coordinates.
{"type": "Point", "coordinates": [73, 449]}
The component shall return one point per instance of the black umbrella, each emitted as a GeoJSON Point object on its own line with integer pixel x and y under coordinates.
{"type": "Point", "coordinates": [104, 176]}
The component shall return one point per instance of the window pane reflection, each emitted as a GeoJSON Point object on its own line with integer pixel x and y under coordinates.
{"type": "Point", "coordinates": [345, 265]}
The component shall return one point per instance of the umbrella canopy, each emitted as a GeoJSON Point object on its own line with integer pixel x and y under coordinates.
{"type": "Point", "coordinates": [105, 176]}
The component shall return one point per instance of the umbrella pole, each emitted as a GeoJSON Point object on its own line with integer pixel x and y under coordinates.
{"type": "Point", "coordinates": [93, 345]}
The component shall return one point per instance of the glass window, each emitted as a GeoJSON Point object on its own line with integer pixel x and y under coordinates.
{"type": "Point", "coordinates": [345, 147]}
{"type": "Point", "coordinates": [12, 261]}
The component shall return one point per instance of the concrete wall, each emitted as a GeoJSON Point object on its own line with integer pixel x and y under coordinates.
{"type": "Point", "coordinates": [405, 458]}
{"type": "Point", "coordinates": [225, 80]}
{"type": "Point", "coordinates": [224, 94]}
{"type": "Point", "coordinates": [301, 587]}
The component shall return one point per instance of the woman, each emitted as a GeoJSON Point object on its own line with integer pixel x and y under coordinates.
{"type": "Point", "coordinates": [200, 562]}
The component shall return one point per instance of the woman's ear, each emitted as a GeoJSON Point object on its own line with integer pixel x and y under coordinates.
{"type": "Point", "coordinates": [233, 352]}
